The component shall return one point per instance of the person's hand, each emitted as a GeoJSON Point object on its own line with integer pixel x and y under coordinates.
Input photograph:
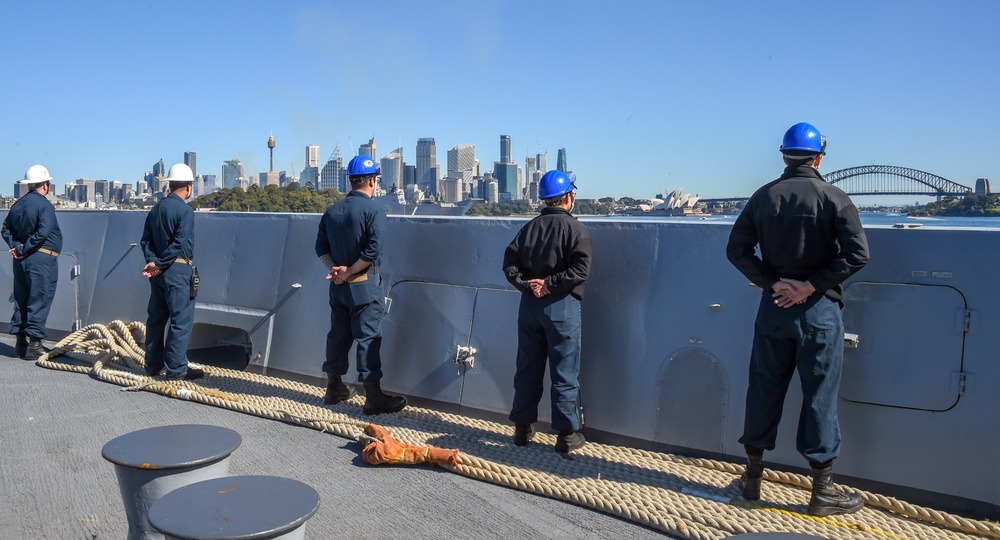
{"type": "Point", "coordinates": [338, 275]}
{"type": "Point", "coordinates": [151, 270]}
{"type": "Point", "coordinates": [789, 292]}
{"type": "Point", "coordinates": [538, 287]}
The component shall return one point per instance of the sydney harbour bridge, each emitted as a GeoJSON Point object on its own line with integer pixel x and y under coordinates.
{"type": "Point", "coordinates": [884, 180]}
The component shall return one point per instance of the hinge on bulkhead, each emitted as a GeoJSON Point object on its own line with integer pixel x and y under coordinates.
{"type": "Point", "coordinates": [962, 383]}
{"type": "Point", "coordinates": [851, 340]}
{"type": "Point", "coordinates": [966, 320]}
{"type": "Point", "coordinates": [464, 356]}
{"type": "Point", "coordinates": [75, 271]}
{"type": "Point", "coordinates": [388, 304]}
{"type": "Point", "coordinates": [77, 324]}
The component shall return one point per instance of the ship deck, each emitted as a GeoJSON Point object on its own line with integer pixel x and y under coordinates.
{"type": "Point", "coordinates": [54, 484]}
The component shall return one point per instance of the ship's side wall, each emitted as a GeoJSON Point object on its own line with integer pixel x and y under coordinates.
{"type": "Point", "coordinates": [667, 328]}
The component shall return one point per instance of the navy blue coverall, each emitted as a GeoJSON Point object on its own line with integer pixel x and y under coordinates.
{"type": "Point", "coordinates": [556, 247]}
{"type": "Point", "coordinates": [807, 230]}
{"type": "Point", "coordinates": [32, 231]}
{"type": "Point", "coordinates": [171, 248]}
{"type": "Point", "coordinates": [353, 229]}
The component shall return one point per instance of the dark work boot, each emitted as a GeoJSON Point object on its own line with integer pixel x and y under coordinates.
{"type": "Point", "coordinates": [826, 499]}
{"type": "Point", "coordinates": [569, 441]}
{"type": "Point", "coordinates": [336, 390]}
{"type": "Point", "coordinates": [750, 479]}
{"type": "Point", "coordinates": [22, 345]}
{"type": "Point", "coordinates": [376, 402]}
{"type": "Point", "coordinates": [523, 433]}
{"type": "Point", "coordinates": [34, 350]}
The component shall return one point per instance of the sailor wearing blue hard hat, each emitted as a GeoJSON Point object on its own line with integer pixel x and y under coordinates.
{"type": "Point", "coordinates": [35, 240]}
{"type": "Point", "coordinates": [349, 245]}
{"type": "Point", "coordinates": [811, 240]}
{"type": "Point", "coordinates": [549, 261]}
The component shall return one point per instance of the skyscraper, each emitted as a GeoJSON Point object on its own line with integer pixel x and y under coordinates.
{"type": "Point", "coordinates": [529, 168]}
{"type": "Point", "coordinates": [505, 175]}
{"type": "Point", "coordinates": [505, 172]}
{"type": "Point", "coordinates": [329, 177]}
{"type": "Point", "coordinates": [310, 174]}
{"type": "Point", "coordinates": [561, 160]}
{"type": "Point", "coordinates": [392, 169]}
{"type": "Point", "coordinates": [505, 154]}
{"type": "Point", "coordinates": [159, 169]}
{"type": "Point", "coordinates": [542, 162]}
{"type": "Point", "coordinates": [312, 156]}
{"type": "Point", "coordinates": [368, 149]}
{"type": "Point", "coordinates": [463, 165]}
{"type": "Point", "coordinates": [191, 160]}
{"type": "Point", "coordinates": [426, 165]}
{"type": "Point", "coordinates": [232, 173]}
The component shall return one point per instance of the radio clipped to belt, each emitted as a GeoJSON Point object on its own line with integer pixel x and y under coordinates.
{"type": "Point", "coordinates": [195, 279]}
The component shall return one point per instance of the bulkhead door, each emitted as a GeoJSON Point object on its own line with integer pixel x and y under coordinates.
{"type": "Point", "coordinates": [423, 326]}
{"type": "Point", "coordinates": [910, 342]}
{"type": "Point", "coordinates": [65, 312]}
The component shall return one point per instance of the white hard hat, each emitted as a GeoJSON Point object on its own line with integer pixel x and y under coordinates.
{"type": "Point", "coordinates": [35, 175]}
{"type": "Point", "coordinates": [180, 172]}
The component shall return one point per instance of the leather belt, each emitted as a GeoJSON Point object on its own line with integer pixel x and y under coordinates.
{"type": "Point", "coordinates": [362, 277]}
{"type": "Point", "coordinates": [48, 252]}
{"type": "Point", "coordinates": [183, 261]}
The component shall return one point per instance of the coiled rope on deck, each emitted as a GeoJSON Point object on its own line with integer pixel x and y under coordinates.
{"type": "Point", "coordinates": [695, 499]}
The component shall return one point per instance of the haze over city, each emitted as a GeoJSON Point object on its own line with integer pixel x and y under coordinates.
{"type": "Point", "coordinates": [645, 96]}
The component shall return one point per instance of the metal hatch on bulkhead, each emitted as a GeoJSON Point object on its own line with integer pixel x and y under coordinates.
{"type": "Point", "coordinates": [429, 332]}
{"type": "Point", "coordinates": [909, 346]}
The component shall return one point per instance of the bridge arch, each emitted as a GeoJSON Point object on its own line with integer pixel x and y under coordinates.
{"type": "Point", "coordinates": [893, 180]}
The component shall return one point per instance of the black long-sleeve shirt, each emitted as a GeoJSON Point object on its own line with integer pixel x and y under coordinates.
{"type": "Point", "coordinates": [808, 230]}
{"type": "Point", "coordinates": [554, 246]}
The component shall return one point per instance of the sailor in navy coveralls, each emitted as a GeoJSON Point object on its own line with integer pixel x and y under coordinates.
{"type": "Point", "coordinates": [33, 236]}
{"type": "Point", "coordinates": [168, 246]}
{"type": "Point", "coordinates": [349, 245]}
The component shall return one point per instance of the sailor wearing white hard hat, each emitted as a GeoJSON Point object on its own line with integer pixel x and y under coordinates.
{"type": "Point", "coordinates": [33, 236]}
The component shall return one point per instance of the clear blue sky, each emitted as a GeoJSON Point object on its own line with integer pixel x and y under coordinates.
{"type": "Point", "coordinates": [644, 95]}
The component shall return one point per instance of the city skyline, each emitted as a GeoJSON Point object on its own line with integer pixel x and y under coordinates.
{"type": "Point", "coordinates": [646, 96]}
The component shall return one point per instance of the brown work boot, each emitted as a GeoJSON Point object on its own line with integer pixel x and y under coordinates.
{"type": "Point", "coordinates": [569, 441]}
{"type": "Point", "coordinates": [193, 373]}
{"type": "Point", "coordinates": [336, 390]}
{"type": "Point", "coordinates": [523, 433]}
{"type": "Point", "coordinates": [826, 499]}
{"type": "Point", "coordinates": [377, 402]}
{"type": "Point", "coordinates": [751, 477]}
{"type": "Point", "coordinates": [34, 350]}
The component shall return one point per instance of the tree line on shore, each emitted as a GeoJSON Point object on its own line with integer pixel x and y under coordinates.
{"type": "Point", "coordinates": [969, 206]}
{"type": "Point", "coordinates": [295, 198]}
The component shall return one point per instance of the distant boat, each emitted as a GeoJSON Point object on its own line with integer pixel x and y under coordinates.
{"type": "Point", "coordinates": [896, 214]}
{"type": "Point", "coordinates": [907, 225]}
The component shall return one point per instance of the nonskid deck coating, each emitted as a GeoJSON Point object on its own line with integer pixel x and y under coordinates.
{"type": "Point", "coordinates": [55, 485]}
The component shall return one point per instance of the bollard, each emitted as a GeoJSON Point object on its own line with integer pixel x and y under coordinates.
{"type": "Point", "coordinates": [150, 463]}
{"type": "Point", "coordinates": [236, 507]}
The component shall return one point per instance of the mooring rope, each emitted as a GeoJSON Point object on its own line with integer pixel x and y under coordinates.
{"type": "Point", "coordinates": [695, 499]}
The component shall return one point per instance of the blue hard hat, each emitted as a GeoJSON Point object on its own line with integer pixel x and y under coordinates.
{"type": "Point", "coordinates": [803, 139]}
{"type": "Point", "coordinates": [362, 166]}
{"type": "Point", "coordinates": [554, 184]}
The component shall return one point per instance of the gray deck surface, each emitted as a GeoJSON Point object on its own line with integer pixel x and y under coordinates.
{"type": "Point", "coordinates": [54, 484]}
